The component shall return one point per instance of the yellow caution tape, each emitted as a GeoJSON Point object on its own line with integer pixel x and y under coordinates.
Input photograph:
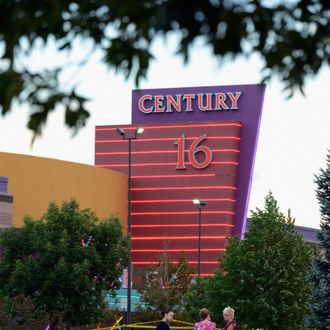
{"type": "Point", "coordinates": [142, 325]}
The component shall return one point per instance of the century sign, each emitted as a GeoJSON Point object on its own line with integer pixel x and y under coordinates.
{"type": "Point", "coordinates": [242, 103]}
{"type": "Point", "coordinates": [149, 103]}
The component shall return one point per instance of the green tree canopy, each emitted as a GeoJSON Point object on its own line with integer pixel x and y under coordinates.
{"type": "Point", "coordinates": [320, 308]}
{"type": "Point", "coordinates": [196, 297]}
{"type": "Point", "coordinates": [291, 38]}
{"type": "Point", "coordinates": [65, 262]}
{"type": "Point", "coordinates": [264, 276]}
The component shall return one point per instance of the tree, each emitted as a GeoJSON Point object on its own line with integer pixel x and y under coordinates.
{"type": "Point", "coordinates": [264, 276]}
{"type": "Point", "coordinates": [291, 37]}
{"type": "Point", "coordinates": [196, 297]}
{"type": "Point", "coordinates": [165, 285]}
{"type": "Point", "coordinates": [19, 313]}
{"type": "Point", "coordinates": [320, 308]}
{"type": "Point", "coordinates": [65, 262]}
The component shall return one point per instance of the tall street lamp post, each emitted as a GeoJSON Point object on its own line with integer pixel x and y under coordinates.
{"type": "Point", "coordinates": [122, 133]}
{"type": "Point", "coordinates": [199, 204]}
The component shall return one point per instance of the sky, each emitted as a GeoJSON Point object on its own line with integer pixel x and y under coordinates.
{"type": "Point", "coordinates": [294, 134]}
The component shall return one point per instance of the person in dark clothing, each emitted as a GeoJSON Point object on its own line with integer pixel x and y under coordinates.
{"type": "Point", "coordinates": [167, 316]}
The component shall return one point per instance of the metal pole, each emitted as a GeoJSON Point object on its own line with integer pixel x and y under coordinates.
{"type": "Point", "coordinates": [199, 239]}
{"type": "Point", "coordinates": [129, 230]}
{"type": "Point", "coordinates": [121, 132]}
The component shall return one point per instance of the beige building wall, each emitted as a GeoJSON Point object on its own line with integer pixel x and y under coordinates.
{"type": "Point", "coordinates": [36, 181]}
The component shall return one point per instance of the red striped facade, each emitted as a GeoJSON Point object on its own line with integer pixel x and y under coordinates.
{"type": "Point", "coordinates": [165, 180]}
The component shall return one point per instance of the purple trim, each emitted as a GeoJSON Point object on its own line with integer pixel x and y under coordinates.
{"type": "Point", "coordinates": [249, 114]}
{"type": "Point", "coordinates": [309, 234]}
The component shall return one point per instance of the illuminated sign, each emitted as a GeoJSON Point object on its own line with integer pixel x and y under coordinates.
{"type": "Point", "coordinates": [193, 150]}
{"type": "Point", "coordinates": [149, 103]}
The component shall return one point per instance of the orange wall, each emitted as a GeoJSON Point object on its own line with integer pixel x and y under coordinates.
{"type": "Point", "coordinates": [36, 181]}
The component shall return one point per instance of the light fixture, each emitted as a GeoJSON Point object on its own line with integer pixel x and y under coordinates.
{"type": "Point", "coordinates": [198, 202]}
{"type": "Point", "coordinates": [139, 131]}
{"type": "Point", "coordinates": [122, 133]}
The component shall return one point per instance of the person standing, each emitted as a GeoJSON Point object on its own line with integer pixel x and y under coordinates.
{"type": "Point", "coordinates": [205, 323]}
{"type": "Point", "coordinates": [163, 324]}
{"type": "Point", "coordinates": [228, 316]}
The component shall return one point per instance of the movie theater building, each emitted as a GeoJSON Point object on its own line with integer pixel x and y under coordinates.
{"type": "Point", "coordinates": [28, 184]}
{"type": "Point", "coordinates": [198, 143]}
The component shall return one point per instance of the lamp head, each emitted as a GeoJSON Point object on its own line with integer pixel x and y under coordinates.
{"type": "Point", "coordinates": [120, 131]}
{"type": "Point", "coordinates": [199, 203]}
{"type": "Point", "coordinates": [138, 131]}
